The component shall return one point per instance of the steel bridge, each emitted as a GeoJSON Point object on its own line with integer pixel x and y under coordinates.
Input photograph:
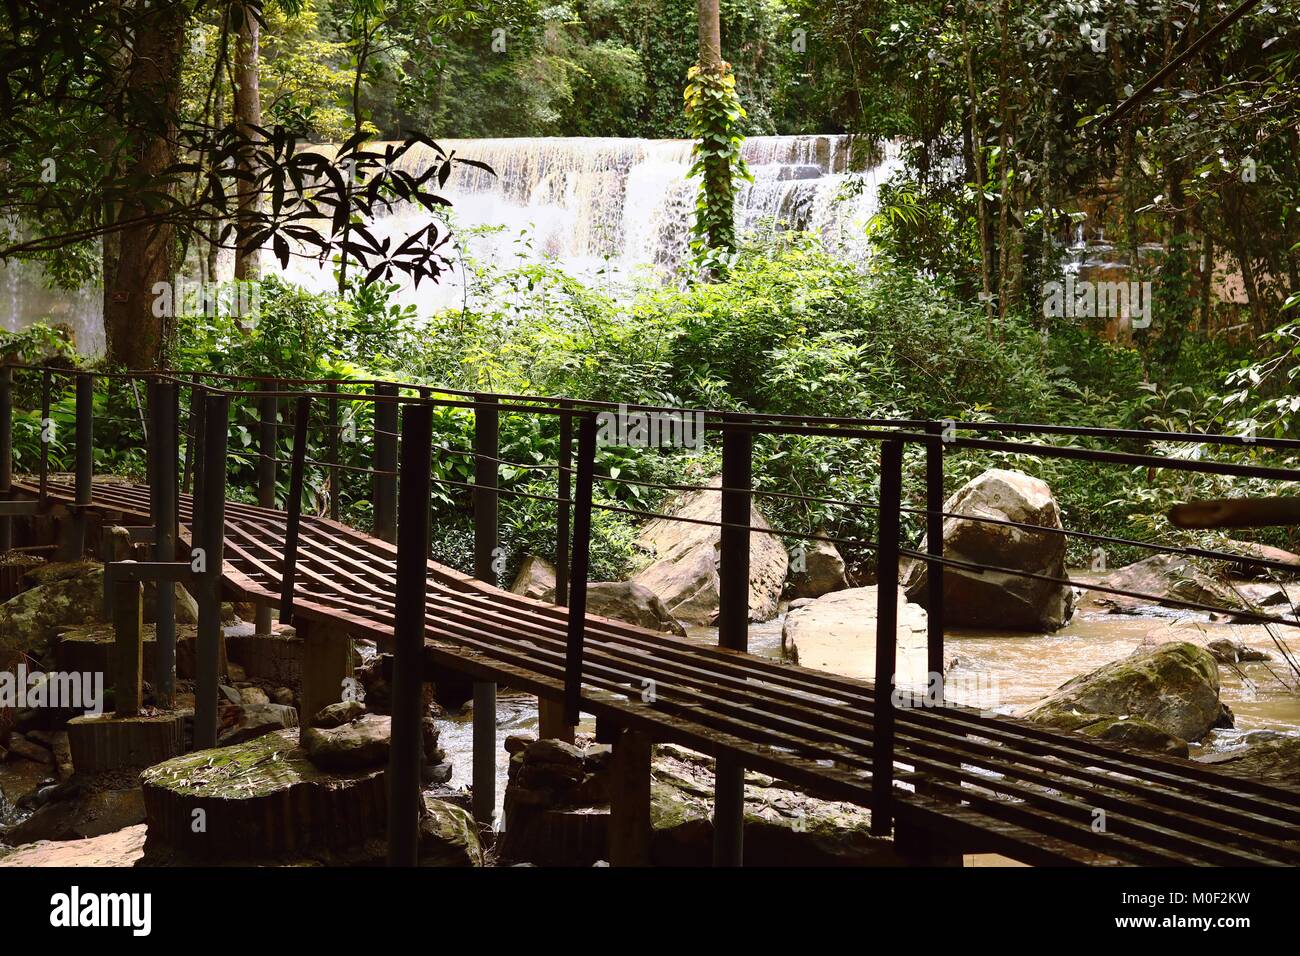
{"type": "Point", "coordinates": [939, 779]}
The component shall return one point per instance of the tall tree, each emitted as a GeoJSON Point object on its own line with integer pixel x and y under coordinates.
{"type": "Point", "coordinates": [247, 115]}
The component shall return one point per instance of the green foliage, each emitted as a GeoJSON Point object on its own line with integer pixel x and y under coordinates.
{"type": "Point", "coordinates": [713, 116]}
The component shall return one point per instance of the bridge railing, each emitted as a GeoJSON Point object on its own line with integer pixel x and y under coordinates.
{"type": "Point", "coordinates": [402, 482]}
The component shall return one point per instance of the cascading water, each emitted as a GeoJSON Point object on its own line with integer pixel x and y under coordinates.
{"type": "Point", "coordinates": [621, 208]}
{"type": "Point", "coordinates": [617, 209]}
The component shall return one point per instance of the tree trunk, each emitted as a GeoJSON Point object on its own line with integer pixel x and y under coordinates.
{"type": "Point", "coordinates": [710, 34]}
{"type": "Point", "coordinates": [146, 251]}
{"type": "Point", "coordinates": [247, 113]}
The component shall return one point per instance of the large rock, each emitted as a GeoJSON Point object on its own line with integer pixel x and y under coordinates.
{"type": "Point", "coordinates": [448, 836]}
{"type": "Point", "coordinates": [123, 847]}
{"type": "Point", "coordinates": [823, 570]}
{"type": "Point", "coordinates": [1167, 578]}
{"type": "Point", "coordinates": [837, 633]}
{"type": "Point", "coordinates": [254, 720]}
{"type": "Point", "coordinates": [87, 814]}
{"type": "Point", "coordinates": [536, 579]}
{"type": "Point", "coordinates": [355, 745]}
{"type": "Point", "coordinates": [998, 599]}
{"type": "Point", "coordinates": [1174, 687]}
{"type": "Point", "coordinates": [684, 568]}
{"type": "Point", "coordinates": [1267, 755]}
{"type": "Point", "coordinates": [65, 595]}
{"type": "Point", "coordinates": [1264, 552]}
{"type": "Point", "coordinates": [633, 603]}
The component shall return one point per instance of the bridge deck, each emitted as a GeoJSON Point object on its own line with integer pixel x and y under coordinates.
{"type": "Point", "coordinates": [995, 784]}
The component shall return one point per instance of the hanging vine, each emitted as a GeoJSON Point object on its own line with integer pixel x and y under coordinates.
{"type": "Point", "coordinates": [713, 117]}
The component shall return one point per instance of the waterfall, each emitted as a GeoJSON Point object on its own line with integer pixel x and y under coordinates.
{"type": "Point", "coordinates": [604, 209]}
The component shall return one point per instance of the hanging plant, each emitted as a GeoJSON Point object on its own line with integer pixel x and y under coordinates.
{"type": "Point", "coordinates": [713, 117]}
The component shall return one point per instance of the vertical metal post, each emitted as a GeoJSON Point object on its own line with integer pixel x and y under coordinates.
{"type": "Point", "coordinates": [484, 782]}
{"type": "Point", "coordinates": [47, 435]}
{"type": "Point", "coordinates": [882, 749]}
{"type": "Point", "coordinates": [163, 406]}
{"type": "Point", "coordinates": [267, 440]}
{"type": "Point", "coordinates": [6, 449]}
{"type": "Point", "coordinates": [565, 490]}
{"type": "Point", "coordinates": [733, 630]}
{"type": "Point", "coordinates": [581, 556]}
{"type": "Point", "coordinates": [404, 757]}
{"type": "Point", "coordinates": [385, 487]}
{"type": "Point", "coordinates": [486, 451]}
{"type": "Point", "coordinates": [198, 428]}
{"type": "Point", "coordinates": [212, 506]}
{"type": "Point", "coordinates": [332, 445]}
{"type": "Point", "coordinates": [934, 547]}
{"type": "Point", "coordinates": [193, 436]}
{"type": "Point", "coordinates": [85, 466]}
{"type": "Point", "coordinates": [302, 410]}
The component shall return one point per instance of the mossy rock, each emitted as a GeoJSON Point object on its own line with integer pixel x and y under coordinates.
{"type": "Point", "coordinates": [448, 836]}
{"type": "Point", "coordinates": [1270, 756]}
{"type": "Point", "coordinates": [1131, 732]}
{"type": "Point", "coordinates": [1173, 687]}
{"type": "Point", "coordinates": [66, 595]}
{"type": "Point", "coordinates": [261, 799]}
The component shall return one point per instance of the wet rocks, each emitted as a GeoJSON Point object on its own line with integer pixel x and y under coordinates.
{"type": "Point", "coordinates": [1227, 651]}
{"type": "Point", "coordinates": [1000, 599]}
{"type": "Point", "coordinates": [1174, 687]}
{"type": "Point", "coordinates": [1266, 755]}
{"type": "Point", "coordinates": [356, 745]}
{"type": "Point", "coordinates": [65, 594]}
{"type": "Point", "coordinates": [837, 633]}
{"type": "Point", "coordinates": [632, 603]}
{"type": "Point", "coordinates": [448, 836]}
{"type": "Point", "coordinates": [251, 720]}
{"type": "Point", "coordinates": [684, 568]}
{"type": "Point", "coordinates": [88, 812]}
{"type": "Point", "coordinates": [19, 745]}
{"type": "Point", "coordinates": [817, 569]}
{"type": "Point", "coordinates": [1168, 578]}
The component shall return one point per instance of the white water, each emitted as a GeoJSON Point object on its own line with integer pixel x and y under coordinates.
{"type": "Point", "coordinates": [609, 211]}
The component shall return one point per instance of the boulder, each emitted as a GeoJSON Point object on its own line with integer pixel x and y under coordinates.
{"type": "Point", "coordinates": [254, 720]}
{"type": "Point", "coordinates": [536, 579]}
{"type": "Point", "coordinates": [1129, 731]}
{"type": "Point", "coordinates": [65, 595]}
{"type": "Point", "coordinates": [20, 746]}
{"type": "Point", "coordinates": [823, 570]}
{"type": "Point", "coordinates": [1267, 755]}
{"type": "Point", "coordinates": [837, 633]}
{"type": "Point", "coordinates": [998, 599]}
{"type": "Point", "coordinates": [633, 603]}
{"type": "Point", "coordinates": [1227, 651]}
{"type": "Point", "coordinates": [1261, 552]}
{"type": "Point", "coordinates": [1174, 687]}
{"type": "Point", "coordinates": [684, 556]}
{"type": "Point", "coordinates": [1167, 578]}
{"type": "Point", "coordinates": [123, 847]}
{"type": "Point", "coordinates": [448, 836]}
{"type": "Point", "coordinates": [356, 745]}
{"type": "Point", "coordinates": [342, 712]}
{"type": "Point", "coordinates": [87, 814]}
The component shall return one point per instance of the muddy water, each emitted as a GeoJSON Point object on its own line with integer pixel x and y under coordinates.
{"type": "Point", "coordinates": [1003, 671]}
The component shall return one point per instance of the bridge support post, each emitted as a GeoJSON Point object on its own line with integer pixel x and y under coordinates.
{"type": "Point", "coordinates": [47, 435]}
{"type": "Point", "coordinates": [267, 440]}
{"type": "Point", "coordinates": [882, 753]}
{"type": "Point", "coordinates": [211, 548]}
{"type": "Point", "coordinates": [332, 448]}
{"type": "Point", "coordinates": [6, 450]}
{"type": "Point", "coordinates": [297, 475]}
{"type": "Point", "coordinates": [162, 398]}
{"type": "Point", "coordinates": [484, 784]}
{"type": "Point", "coordinates": [486, 472]}
{"type": "Point", "coordinates": [934, 547]}
{"type": "Point", "coordinates": [581, 554]}
{"type": "Point", "coordinates": [629, 800]}
{"type": "Point", "coordinates": [733, 630]}
{"type": "Point", "coordinates": [75, 543]}
{"type": "Point", "coordinates": [128, 639]}
{"type": "Point", "coordinates": [406, 750]}
{"type": "Point", "coordinates": [326, 664]}
{"type": "Point", "coordinates": [551, 724]}
{"type": "Point", "coordinates": [385, 484]}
